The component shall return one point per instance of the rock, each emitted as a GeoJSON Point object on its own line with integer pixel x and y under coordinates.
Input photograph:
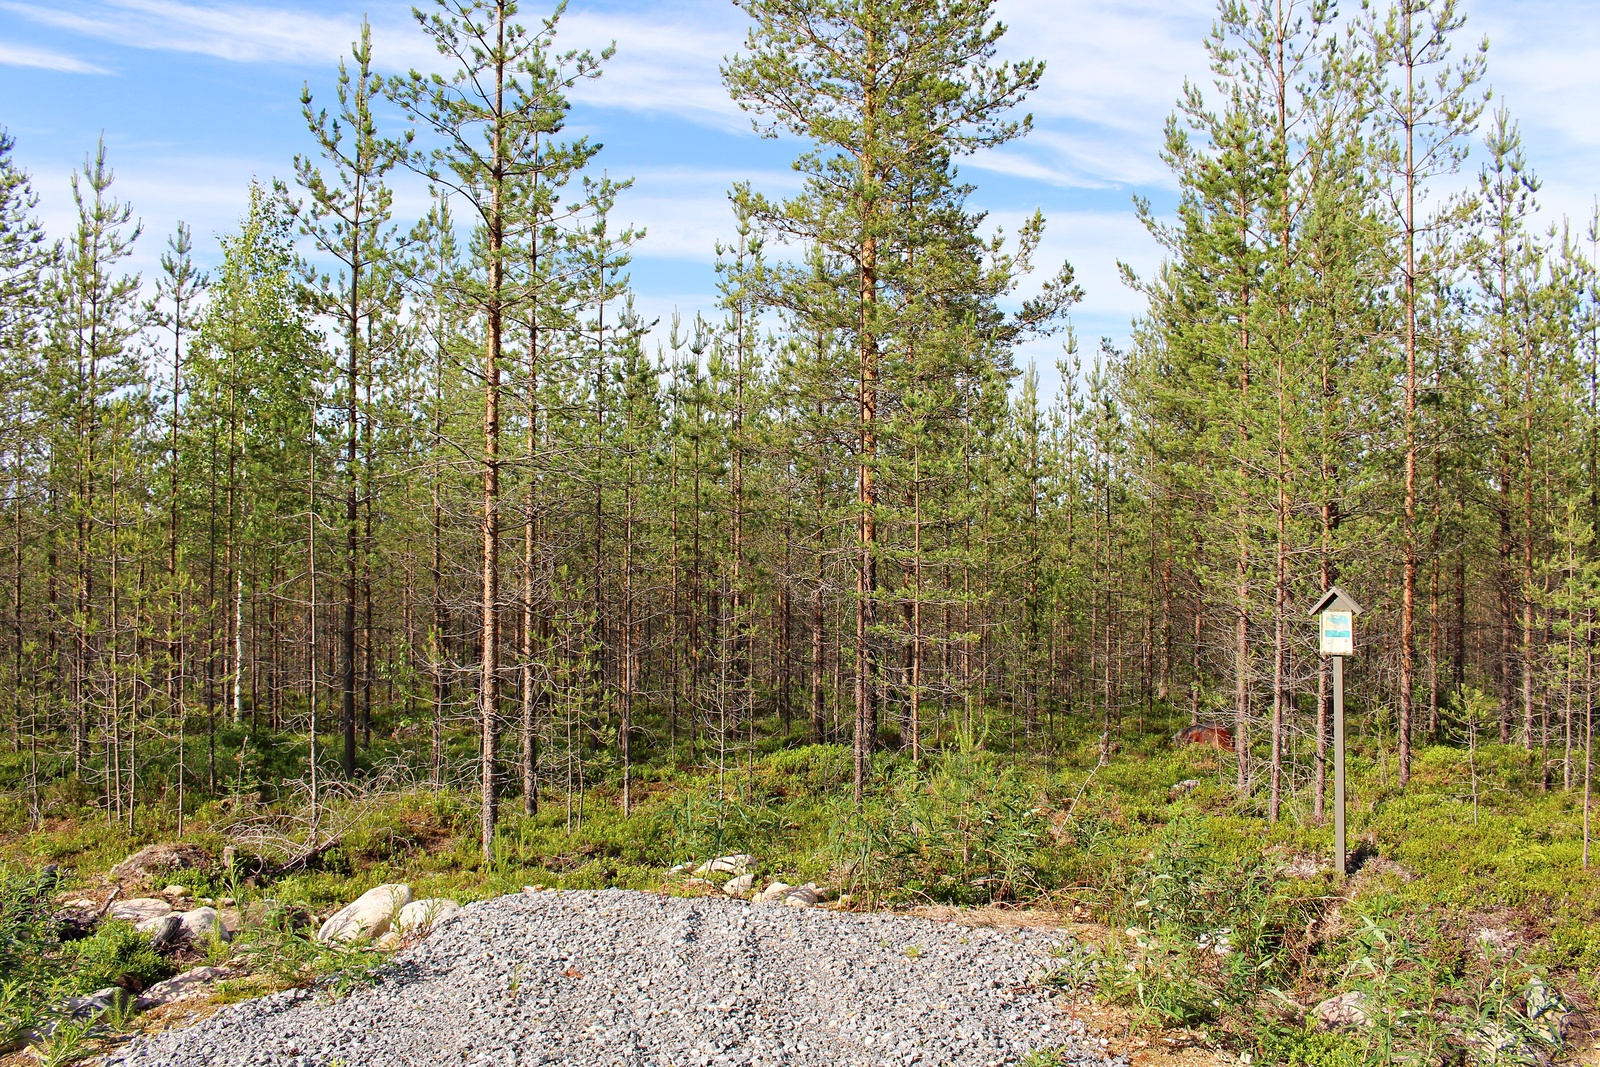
{"type": "Point", "coordinates": [175, 892]}
{"type": "Point", "coordinates": [738, 887]}
{"type": "Point", "coordinates": [202, 924]}
{"type": "Point", "coordinates": [735, 865]}
{"type": "Point", "coordinates": [388, 942]}
{"type": "Point", "coordinates": [1343, 1012]}
{"type": "Point", "coordinates": [802, 896]}
{"type": "Point", "coordinates": [532, 889]}
{"type": "Point", "coordinates": [186, 986]}
{"type": "Point", "coordinates": [680, 868]}
{"type": "Point", "coordinates": [420, 916]}
{"type": "Point", "coordinates": [159, 859]}
{"type": "Point", "coordinates": [369, 915]}
{"type": "Point", "coordinates": [145, 913]}
{"type": "Point", "coordinates": [97, 1003]}
{"type": "Point", "coordinates": [169, 934]}
{"type": "Point", "coordinates": [775, 891]}
{"type": "Point", "coordinates": [1183, 788]}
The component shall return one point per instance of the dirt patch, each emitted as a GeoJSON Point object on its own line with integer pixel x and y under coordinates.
{"type": "Point", "coordinates": [1116, 1031]}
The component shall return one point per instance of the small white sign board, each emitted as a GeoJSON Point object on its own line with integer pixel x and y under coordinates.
{"type": "Point", "coordinates": [1338, 636]}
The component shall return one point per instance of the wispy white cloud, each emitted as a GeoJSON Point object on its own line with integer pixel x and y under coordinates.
{"type": "Point", "coordinates": [667, 59]}
{"type": "Point", "coordinates": [14, 55]}
{"type": "Point", "coordinates": [1113, 72]}
{"type": "Point", "coordinates": [247, 33]}
{"type": "Point", "coordinates": [685, 210]}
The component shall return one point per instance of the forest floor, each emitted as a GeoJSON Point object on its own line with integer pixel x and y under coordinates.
{"type": "Point", "coordinates": [1203, 933]}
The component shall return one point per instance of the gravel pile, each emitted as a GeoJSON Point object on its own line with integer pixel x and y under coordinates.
{"type": "Point", "coordinates": [624, 978]}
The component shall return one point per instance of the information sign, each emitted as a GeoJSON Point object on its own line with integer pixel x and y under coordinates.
{"type": "Point", "coordinates": [1337, 638]}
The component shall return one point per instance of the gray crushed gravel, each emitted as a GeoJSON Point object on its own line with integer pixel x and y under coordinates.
{"type": "Point", "coordinates": [625, 978]}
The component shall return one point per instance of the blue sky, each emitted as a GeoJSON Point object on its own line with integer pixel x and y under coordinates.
{"type": "Point", "coordinates": [195, 97]}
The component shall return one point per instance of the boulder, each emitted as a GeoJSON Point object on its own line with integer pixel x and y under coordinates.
{"type": "Point", "coordinates": [202, 924]}
{"type": "Point", "coordinates": [145, 913]}
{"type": "Point", "coordinates": [1183, 788]}
{"type": "Point", "coordinates": [160, 859]}
{"type": "Point", "coordinates": [738, 887]}
{"type": "Point", "coordinates": [169, 934]}
{"type": "Point", "coordinates": [802, 896]}
{"type": "Point", "coordinates": [369, 915]}
{"type": "Point", "coordinates": [735, 865]}
{"type": "Point", "coordinates": [388, 942]}
{"type": "Point", "coordinates": [680, 868]}
{"type": "Point", "coordinates": [175, 892]}
{"type": "Point", "coordinates": [93, 1005]}
{"type": "Point", "coordinates": [1344, 1012]}
{"type": "Point", "coordinates": [186, 986]}
{"type": "Point", "coordinates": [773, 892]}
{"type": "Point", "coordinates": [421, 916]}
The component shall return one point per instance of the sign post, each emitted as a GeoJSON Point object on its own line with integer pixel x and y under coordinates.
{"type": "Point", "coordinates": [1335, 614]}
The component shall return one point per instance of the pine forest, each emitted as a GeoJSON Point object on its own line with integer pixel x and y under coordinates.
{"type": "Point", "coordinates": [401, 521]}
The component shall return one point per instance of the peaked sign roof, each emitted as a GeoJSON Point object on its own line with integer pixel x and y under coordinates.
{"type": "Point", "coordinates": [1336, 599]}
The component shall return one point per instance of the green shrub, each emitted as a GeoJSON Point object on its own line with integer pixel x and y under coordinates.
{"type": "Point", "coordinates": [1306, 1046]}
{"type": "Point", "coordinates": [115, 954]}
{"type": "Point", "coordinates": [968, 830]}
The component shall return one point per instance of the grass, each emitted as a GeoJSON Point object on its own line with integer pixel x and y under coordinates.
{"type": "Point", "coordinates": [1470, 930]}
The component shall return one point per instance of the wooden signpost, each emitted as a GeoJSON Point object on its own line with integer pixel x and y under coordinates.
{"type": "Point", "coordinates": [1336, 613]}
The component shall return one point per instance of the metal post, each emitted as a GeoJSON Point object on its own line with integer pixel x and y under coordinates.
{"type": "Point", "coordinates": [1339, 865]}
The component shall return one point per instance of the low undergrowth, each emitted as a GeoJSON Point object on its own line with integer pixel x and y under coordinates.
{"type": "Point", "coordinates": [1468, 934]}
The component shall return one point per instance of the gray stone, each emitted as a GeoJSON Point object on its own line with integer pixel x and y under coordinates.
{"type": "Point", "coordinates": [145, 913]}
{"type": "Point", "coordinates": [97, 1003]}
{"type": "Point", "coordinates": [421, 916]}
{"type": "Point", "coordinates": [1184, 788]}
{"type": "Point", "coordinates": [189, 985]}
{"type": "Point", "coordinates": [202, 924]}
{"type": "Point", "coordinates": [773, 892]}
{"type": "Point", "coordinates": [803, 896]}
{"type": "Point", "coordinates": [1346, 1011]}
{"type": "Point", "coordinates": [169, 934]}
{"type": "Point", "coordinates": [369, 915]}
{"type": "Point", "coordinates": [735, 864]}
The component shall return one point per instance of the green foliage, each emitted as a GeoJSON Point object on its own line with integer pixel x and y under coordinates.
{"type": "Point", "coordinates": [115, 954]}
{"type": "Point", "coordinates": [67, 1042]}
{"type": "Point", "coordinates": [967, 829]}
{"type": "Point", "coordinates": [1306, 1046]}
{"type": "Point", "coordinates": [28, 983]}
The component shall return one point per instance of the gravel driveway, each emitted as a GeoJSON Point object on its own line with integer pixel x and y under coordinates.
{"type": "Point", "coordinates": [625, 978]}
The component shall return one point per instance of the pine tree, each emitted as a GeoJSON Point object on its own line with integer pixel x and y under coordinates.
{"type": "Point", "coordinates": [1428, 102]}
{"type": "Point", "coordinates": [487, 114]}
{"type": "Point", "coordinates": [887, 93]}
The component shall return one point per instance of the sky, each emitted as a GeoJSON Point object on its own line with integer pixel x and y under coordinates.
{"type": "Point", "coordinates": [194, 98]}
